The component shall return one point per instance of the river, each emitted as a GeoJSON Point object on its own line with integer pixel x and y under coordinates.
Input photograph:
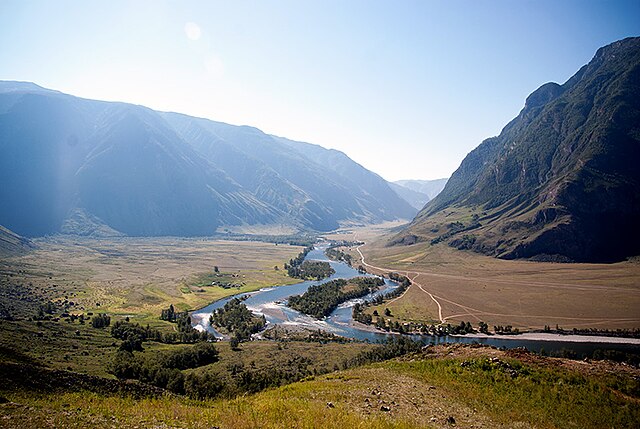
{"type": "Point", "coordinates": [271, 302]}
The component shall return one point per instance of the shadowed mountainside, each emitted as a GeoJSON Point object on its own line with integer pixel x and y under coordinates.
{"type": "Point", "coordinates": [99, 168]}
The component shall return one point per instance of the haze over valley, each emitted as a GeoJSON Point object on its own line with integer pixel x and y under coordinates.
{"type": "Point", "coordinates": [88, 167]}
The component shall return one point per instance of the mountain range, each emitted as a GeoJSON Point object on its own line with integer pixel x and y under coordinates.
{"type": "Point", "coordinates": [418, 192]}
{"type": "Point", "coordinates": [430, 188]}
{"type": "Point", "coordinates": [73, 165]}
{"type": "Point", "coordinates": [561, 181]}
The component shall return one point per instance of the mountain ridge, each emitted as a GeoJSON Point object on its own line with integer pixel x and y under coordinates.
{"type": "Point", "coordinates": [415, 198]}
{"type": "Point", "coordinates": [83, 166]}
{"type": "Point", "coordinates": [561, 180]}
{"type": "Point", "coordinates": [11, 244]}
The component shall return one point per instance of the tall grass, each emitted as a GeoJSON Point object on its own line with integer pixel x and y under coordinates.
{"type": "Point", "coordinates": [289, 407]}
{"type": "Point", "coordinates": [550, 397]}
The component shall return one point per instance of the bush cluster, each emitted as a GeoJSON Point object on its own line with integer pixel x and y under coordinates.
{"type": "Point", "coordinates": [133, 335]}
{"type": "Point", "coordinates": [164, 370]}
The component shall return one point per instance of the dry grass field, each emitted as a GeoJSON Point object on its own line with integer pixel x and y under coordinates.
{"type": "Point", "coordinates": [139, 276]}
{"type": "Point", "coordinates": [453, 286]}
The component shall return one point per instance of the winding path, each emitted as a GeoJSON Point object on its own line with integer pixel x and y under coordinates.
{"type": "Point", "coordinates": [474, 312]}
{"type": "Point", "coordinates": [442, 320]}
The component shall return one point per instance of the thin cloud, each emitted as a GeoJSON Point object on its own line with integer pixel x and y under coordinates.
{"type": "Point", "coordinates": [192, 30]}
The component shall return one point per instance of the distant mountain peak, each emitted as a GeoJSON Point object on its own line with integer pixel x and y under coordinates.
{"type": "Point", "coordinates": [430, 188]}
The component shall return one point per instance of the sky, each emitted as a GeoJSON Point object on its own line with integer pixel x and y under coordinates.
{"type": "Point", "coordinates": [405, 88]}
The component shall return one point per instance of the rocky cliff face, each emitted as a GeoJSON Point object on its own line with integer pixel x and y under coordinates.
{"type": "Point", "coordinates": [561, 181]}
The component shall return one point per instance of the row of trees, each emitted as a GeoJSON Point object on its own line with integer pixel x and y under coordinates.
{"type": "Point", "coordinates": [390, 325]}
{"type": "Point", "coordinates": [628, 333]}
{"type": "Point", "coordinates": [388, 349]}
{"type": "Point", "coordinates": [320, 300]}
{"type": "Point", "coordinates": [359, 314]}
{"type": "Point", "coordinates": [298, 260]}
{"type": "Point", "coordinates": [281, 334]}
{"type": "Point", "coordinates": [300, 269]}
{"type": "Point", "coordinates": [505, 330]}
{"type": "Point", "coordinates": [133, 335]}
{"type": "Point", "coordinates": [164, 371]}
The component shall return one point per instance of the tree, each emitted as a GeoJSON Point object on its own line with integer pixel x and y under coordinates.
{"type": "Point", "coordinates": [168, 314]}
{"type": "Point", "coordinates": [100, 321]}
{"type": "Point", "coordinates": [237, 318]}
{"type": "Point", "coordinates": [234, 342]}
{"type": "Point", "coordinates": [124, 365]}
{"type": "Point", "coordinates": [468, 328]}
{"type": "Point", "coordinates": [132, 343]}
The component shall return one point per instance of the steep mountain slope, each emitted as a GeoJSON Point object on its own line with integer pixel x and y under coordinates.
{"type": "Point", "coordinates": [429, 187]}
{"type": "Point", "coordinates": [116, 162]}
{"type": "Point", "coordinates": [159, 185]}
{"type": "Point", "coordinates": [95, 168]}
{"type": "Point", "coordinates": [561, 181]}
{"type": "Point", "coordinates": [374, 194]}
{"type": "Point", "coordinates": [305, 181]}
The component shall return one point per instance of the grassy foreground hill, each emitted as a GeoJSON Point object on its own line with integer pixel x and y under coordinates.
{"type": "Point", "coordinates": [447, 386]}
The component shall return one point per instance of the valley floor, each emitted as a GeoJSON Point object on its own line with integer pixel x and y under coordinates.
{"type": "Point", "coordinates": [137, 277]}
{"type": "Point", "coordinates": [56, 370]}
{"type": "Point", "coordinates": [450, 286]}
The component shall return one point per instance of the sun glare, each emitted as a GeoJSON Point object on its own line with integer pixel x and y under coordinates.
{"type": "Point", "coordinates": [192, 30]}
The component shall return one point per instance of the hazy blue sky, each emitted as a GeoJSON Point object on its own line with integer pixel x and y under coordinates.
{"type": "Point", "coordinates": [406, 88]}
